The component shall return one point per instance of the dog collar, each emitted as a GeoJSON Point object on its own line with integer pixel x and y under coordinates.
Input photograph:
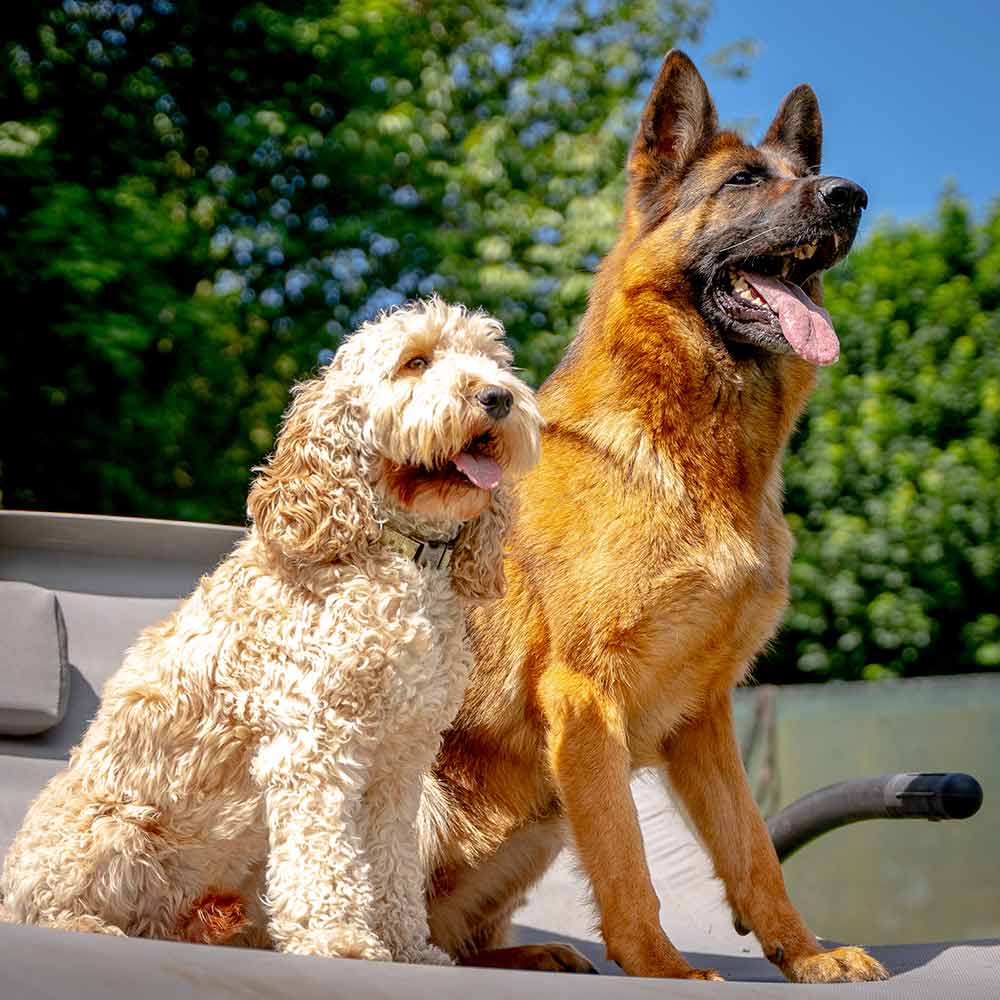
{"type": "Point", "coordinates": [436, 555]}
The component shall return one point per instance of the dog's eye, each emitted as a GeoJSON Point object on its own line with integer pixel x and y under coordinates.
{"type": "Point", "coordinates": [743, 178]}
{"type": "Point", "coordinates": [417, 364]}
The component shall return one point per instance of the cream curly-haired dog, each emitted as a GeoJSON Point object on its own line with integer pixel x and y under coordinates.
{"type": "Point", "coordinates": [254, 771]}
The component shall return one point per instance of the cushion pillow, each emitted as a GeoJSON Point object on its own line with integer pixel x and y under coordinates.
{"type": "Point", "coordinates": [34, 670]}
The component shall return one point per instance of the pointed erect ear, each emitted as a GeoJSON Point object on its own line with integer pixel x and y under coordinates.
{"type": "Point", "coordinates": [678, 117]}
{"type": "Point", "coordinates": [798, 128]}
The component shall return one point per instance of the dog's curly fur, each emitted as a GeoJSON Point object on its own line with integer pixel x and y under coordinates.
{"type": "Point", "coordinates": [254, 771]}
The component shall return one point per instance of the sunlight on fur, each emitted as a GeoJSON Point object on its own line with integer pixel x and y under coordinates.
{"type": "Point", "coordinates": [254, 771]}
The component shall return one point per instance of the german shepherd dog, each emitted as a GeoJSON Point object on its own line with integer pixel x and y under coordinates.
{"type": "Point", "coordinates": [649, 558]}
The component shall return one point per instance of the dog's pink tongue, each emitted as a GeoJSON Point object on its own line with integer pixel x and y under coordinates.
{"type": "Point", "coordinates": [806, 326]}
{"type": "Point", "coordinates": [483, 471]}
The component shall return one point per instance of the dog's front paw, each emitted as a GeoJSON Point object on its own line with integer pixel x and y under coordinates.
{"type": "Point", "coordinates": [839, 965]}
{"type": "Point", "coordinates": [710, 975]}
{"type": "Point", "coordinates": [340, 942]}
{"type": "Point", "coordinates": [427, 955]}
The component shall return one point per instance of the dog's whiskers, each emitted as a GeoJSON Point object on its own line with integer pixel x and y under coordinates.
{"type": "Point", "coordinates": [763, 232]}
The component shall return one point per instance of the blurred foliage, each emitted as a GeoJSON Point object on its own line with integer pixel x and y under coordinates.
{"type": "Point", "coordinates": [893, 480]}
{"type": "Point", "coordinates": [197, 200]}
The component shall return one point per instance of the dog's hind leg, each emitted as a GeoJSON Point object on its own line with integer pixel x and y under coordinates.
{"type": "Point", "coordinates": [85, 923]}
{"type": "Point", "coordinates": [705, 770]}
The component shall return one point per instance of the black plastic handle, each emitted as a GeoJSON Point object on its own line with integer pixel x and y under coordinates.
{"type": "Point", "coordinates": [913, 795]}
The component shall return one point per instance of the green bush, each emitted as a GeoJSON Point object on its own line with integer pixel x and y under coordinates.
{"type": "Point", "coordinates": [893, 480]}
{"type": "Point", "coordinates": [197, 198]}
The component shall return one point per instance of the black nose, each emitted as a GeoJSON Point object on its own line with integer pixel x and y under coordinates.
{"type": "Point", "coordinates": [843, 195]}
{"type": "Point", "coordinates": [496, 401]}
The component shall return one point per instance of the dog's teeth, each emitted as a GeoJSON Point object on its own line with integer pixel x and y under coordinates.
{"type": "Point", "coordinates": [744, 290]}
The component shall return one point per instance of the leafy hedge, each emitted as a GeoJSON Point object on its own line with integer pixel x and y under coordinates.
{"type": "Point", "coordinates": [893, 481]}
{"type": "Point", "coordinates": [196, 199]}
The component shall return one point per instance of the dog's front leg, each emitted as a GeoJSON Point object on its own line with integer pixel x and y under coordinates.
{"type": "Point", "coordinates": [390, 816]}
{"type": "Point", "coordinates": [320, 899]}
{"type": "Point", "coordinates": [704, 767]}
{"type": "Point", "coordinates": [591, 765]}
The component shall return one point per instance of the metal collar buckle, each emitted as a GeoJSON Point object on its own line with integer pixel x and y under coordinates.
{"type": "Point", "coordinates": [433, 555]}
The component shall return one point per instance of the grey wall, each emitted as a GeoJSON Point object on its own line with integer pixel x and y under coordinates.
{"type": "Point", "coordinates": [903, 880]}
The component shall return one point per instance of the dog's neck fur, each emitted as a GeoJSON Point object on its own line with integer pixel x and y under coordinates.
{"type": "Point", "coordinates": [656, 357]}
{"type": "Point", "coordinates": [396, 519]}
{"type": "Point", "coordinates": [420, 529]}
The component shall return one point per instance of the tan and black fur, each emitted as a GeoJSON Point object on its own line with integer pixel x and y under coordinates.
{"type": "Point", "coordinates": [648, 564]}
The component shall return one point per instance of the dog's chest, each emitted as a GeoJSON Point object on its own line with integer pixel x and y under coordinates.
{"type": "Point", "coordinates": [717, 602]}
{"type": "Point", "coordinates": [429, 669]}
{"type": "Point", "coordinates": [711, 615]}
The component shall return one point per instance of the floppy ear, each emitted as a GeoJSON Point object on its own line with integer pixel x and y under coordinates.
{"type": "Point", "coordinates": [678, 117]}
{"type": "Point", "coordinates": [798, 128]}
{"type": "Point", "coordinates": [477, 562]}
{"type": "Point", "coordinates": [313, 500]}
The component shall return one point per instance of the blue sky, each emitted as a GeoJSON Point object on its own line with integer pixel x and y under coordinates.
{"type": "Point", "coordinates": [909, 91]}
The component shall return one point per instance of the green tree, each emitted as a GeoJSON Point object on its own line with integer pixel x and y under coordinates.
{"type": "Point", "coordinates": [893, 482]}
{"type": "Point", "coordinates": [197, 198]}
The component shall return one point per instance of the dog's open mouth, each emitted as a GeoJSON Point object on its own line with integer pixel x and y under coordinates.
{"type": "Point", "coordinates": [477, 465]}
{"type": "Point", "coordinates": [763, 299]}
{"type": "Point", "coordinates": [472, 467]}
